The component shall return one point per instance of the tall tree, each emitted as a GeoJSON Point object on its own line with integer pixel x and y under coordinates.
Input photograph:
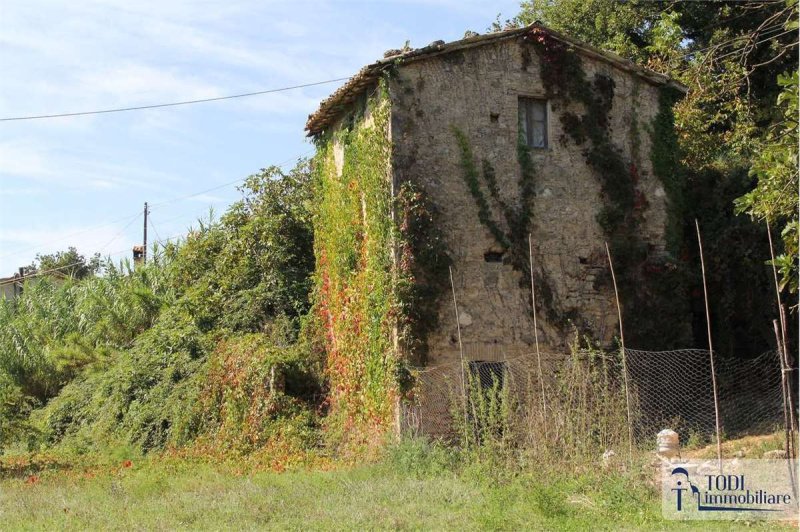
{"type": "Point", "coordinates": [728, 53]}
{"type": "Point", "coordinates": [774, 199]}
{"type": "Point", "coordinates": [69, 263]}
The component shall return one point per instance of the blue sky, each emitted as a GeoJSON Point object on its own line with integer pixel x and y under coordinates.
{"type": "Point", "coordinates": [82, 181]}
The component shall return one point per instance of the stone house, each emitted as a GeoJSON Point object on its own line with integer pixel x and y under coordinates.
{"type": "Point", "coordinates": [13, 286]}
{"type": "Point", "coordinates": [465, 118]}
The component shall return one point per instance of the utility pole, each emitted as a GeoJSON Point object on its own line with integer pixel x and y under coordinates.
{"type": "Point", "coordinates": [144, 252]}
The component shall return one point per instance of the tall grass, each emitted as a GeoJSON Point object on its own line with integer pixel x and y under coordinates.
{"type": "Point", "coordinates": [56, 328]}
{"type": "Point", "coordinates": [503, 418]}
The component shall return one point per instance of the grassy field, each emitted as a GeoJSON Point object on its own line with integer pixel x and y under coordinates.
{"type": "Point", "coordinates": [409, 490]}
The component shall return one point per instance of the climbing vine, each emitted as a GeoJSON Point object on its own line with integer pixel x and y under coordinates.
{"type": "Point", "coordinates": [517, 219]}
{"type": "Point", "coordinates": [665, 158]}
{"type": "Point", "coordinates": [472, 179]}
{"type": "Point", "coordinates": [422, 269]}
{"type": "Point", "coordinates": [355, 298]}
{"type": "Point", "coordinates": [514, 240]}
{"type": "Point", "coordinates": [382, 266]}
{"type": "Point", "coordinates": [656, 306]}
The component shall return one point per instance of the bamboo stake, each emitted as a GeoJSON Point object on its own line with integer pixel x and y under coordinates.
{"type": "Point", "coordinates": [791, 463]}
{"type": "Point", "coordinates": [710, 345]}
{"type": "Point", "coordinates": [460, 350]}
{"type": "Point", "coordinates": [536, 334]}
{"type": "Point", "coordinates": [775, 280]}
{"type": "Point", "coordinates": [624, 358]}
{"type": "Point", "coordinates": [784, 395]}
{"type": "Point", "coordinates": [780, 335]}
{"type": "Point", "coordinates": [788, 363]}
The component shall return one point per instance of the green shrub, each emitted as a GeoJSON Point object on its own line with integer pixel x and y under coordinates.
{"type": "Point", "coordinates": [251, 386]}
{"type": "Point", "coordinates": [54, 331]}
{"type": "Point", "coordinates": [128, 358]}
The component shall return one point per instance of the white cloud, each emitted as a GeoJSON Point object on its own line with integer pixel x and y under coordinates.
{"type": "Point", "coordinates": [21, 191]}
{"type": "Point", "coordinates": [96, 54]}
{"type": "Point", "coordinates": [21, 160]}
{"type": "Point", "coordinates": [136, 83]}
{"type": "Point", "coordinates": [206, 198]}
{"type": "Point", "coordinates": [33, 161]}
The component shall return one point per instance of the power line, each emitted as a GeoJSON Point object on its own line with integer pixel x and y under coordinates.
{"type": "Point", "coordinates": [195, 194]}
{"type": "Point", "coordinates": [153, 226]}
{"type": "Point", "coordinates": [229, 183]}
{"type": "Point", "coordinates": [170, 104]}
{"type": "Point", "coordinates": [51, 270]}
{"type": "Point", "coordinates": [138, 213]}
{"type": "Point", "coordinates": [80, 262]}
{"type": "Point", "coordinates": [121, 231]}
{"type": "Point", "coordinates": [87, 230]}
{"type": "Point", "coordinates": [77, 263]}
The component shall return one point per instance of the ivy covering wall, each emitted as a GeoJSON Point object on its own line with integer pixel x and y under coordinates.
{"type": "Point", "coordinates": [512, 234]}
{"type": "Point", "coordinates": [381, 268]}
{"type": "Point", "coordinates": [653, 287]}
{"type": "Point", "coordinates": [354, 277]}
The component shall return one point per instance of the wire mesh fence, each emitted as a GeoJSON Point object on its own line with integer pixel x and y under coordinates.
{"type": "Point", "coordinates": [673, 389]}
{"type": "Point", "coordinates": [580, 399]}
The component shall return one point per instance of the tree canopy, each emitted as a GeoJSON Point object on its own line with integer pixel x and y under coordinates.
{"type": "Point", "coordinates": [739, 60]}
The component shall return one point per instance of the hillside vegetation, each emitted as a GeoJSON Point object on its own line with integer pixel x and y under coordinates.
{"type": "Point", "coordinates": [199, 343]}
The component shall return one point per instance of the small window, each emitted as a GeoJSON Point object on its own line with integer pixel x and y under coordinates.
{"type": "Point", "coordinates": [533, 121]}
{"type": "Point", "coordinates": [493, 256]}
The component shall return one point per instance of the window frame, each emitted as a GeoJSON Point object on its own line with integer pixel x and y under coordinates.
{"type": "Point", "coordinates": [525, 102]}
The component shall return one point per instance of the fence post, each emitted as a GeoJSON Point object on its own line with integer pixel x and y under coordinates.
{"type": "Point", "coordinates": [624, 361]}
{"type": "Point", "coordinates": [783, 352]}
{"type": "Point", "coordinates": [461, 352]}
{"type": "Point", "coordinates": [536, 335]}
{"type": "Point", "coordinates": [710, 346]}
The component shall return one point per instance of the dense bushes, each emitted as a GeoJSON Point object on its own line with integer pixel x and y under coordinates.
{"type": "Point", "coordinates": [252, 384]}
{"type": "Point", "coordinates": [55, 330]}
{"type": "Point", "coordinates": [256, 262]}
{"type": "Point", "coordinates": [161, 354]}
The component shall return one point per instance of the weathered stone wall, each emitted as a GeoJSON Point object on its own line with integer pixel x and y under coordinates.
{"type": "Point", "coordinates": [477, 91]}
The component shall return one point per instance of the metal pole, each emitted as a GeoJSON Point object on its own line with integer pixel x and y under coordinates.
{"type": "Point", "coordinates": [710, 345]}
{"type": "Point", "coordinates": [144, 251]}
{"type": "Point", "coordinates": [624, 358]}
{"type": "Point", "coordinates": [536, 333]}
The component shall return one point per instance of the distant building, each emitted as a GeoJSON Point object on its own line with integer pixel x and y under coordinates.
{"type": "Point", "coordinates": [11, 287]}
{"type": "Point", "coordinates": [138, 255]}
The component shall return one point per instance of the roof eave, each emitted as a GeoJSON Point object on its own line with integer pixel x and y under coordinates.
{"type": "Point", "coordinates": [330, 109]}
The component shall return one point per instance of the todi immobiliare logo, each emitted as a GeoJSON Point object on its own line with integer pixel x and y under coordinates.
{"type": "Point", "coordinates": [730, 489]}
